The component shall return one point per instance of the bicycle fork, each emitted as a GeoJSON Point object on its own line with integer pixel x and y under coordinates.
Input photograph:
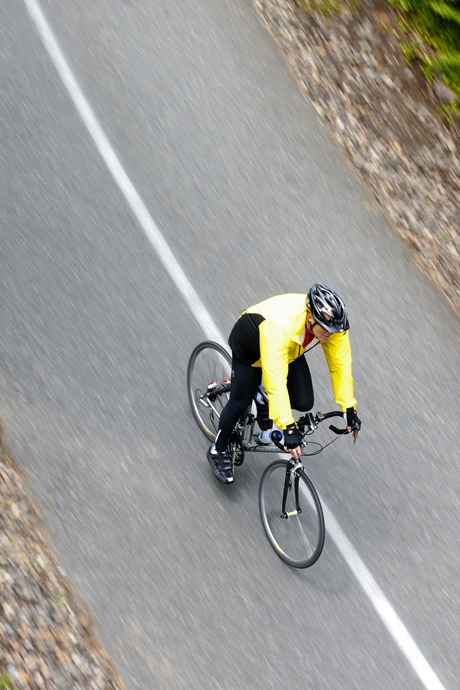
{"type": "Point", "coordinates": [291, 474]}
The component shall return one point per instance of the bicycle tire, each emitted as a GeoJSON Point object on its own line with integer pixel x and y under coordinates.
{"type": "Point", "coordinates": [208, 362]}
{"type": "Point", "coordinates": [299, 539]}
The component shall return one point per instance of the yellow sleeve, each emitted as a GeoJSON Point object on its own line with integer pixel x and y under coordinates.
{"type": "Point", "coordinates": [274, 351]}
{"type": "Point", "coordinates": [337, 350]}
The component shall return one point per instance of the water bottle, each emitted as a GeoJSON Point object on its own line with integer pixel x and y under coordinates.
{"type": "Point", "coordinates": [268, 436]}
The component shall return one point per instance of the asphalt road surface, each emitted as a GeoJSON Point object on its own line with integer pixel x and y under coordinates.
{"type": "Point", "coordinates": [159, 174]}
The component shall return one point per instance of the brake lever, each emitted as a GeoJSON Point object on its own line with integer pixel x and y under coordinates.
{"type": "Point", "coordinates": [337, 431]}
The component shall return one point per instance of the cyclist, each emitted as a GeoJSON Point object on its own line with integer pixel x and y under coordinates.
{"type": "Point", "coordinates": [269, 340]}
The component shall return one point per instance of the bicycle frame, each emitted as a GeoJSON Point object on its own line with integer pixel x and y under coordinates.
{"type": "Point", "coordinates": [297, 534]}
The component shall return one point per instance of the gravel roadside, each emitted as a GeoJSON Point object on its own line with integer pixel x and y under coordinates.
{"type": "Point", "coordinates": [385, 118]}
{"type": "Point", "coordinates": [45, 632]}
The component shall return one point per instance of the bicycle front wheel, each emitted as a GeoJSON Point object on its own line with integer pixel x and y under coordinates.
{"type": "Point", "coordinates": [297, 532]}
{"type": "Point", "coordinates": [208, 385]}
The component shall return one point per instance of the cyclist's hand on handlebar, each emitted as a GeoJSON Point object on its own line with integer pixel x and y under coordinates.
{"type": "Point", "coordinates": [293, 440]}
{"type": "Point", "coordinates": [353, 423]}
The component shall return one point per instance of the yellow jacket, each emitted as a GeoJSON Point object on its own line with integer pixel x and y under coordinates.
{"type": "Point", "coordinates": [281, 336]}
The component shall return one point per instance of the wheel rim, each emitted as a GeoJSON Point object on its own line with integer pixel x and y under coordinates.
{"type": "Point", "coordinates": [299, 539]}
{"type": "Point", "coordinates": [209, 362]}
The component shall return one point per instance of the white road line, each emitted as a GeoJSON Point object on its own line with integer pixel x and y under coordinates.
{"type": "Point", "coordinates": [388, 615]}
{"type": "Point", "coordinates": [381, 604]}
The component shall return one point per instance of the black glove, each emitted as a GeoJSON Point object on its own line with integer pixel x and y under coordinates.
{"type": "Point", "coordinates": [292, 437]}
{"type": "Point", "coordinates": [353, 420]}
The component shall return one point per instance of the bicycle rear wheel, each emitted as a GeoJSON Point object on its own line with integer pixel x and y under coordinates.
{"type": "Point", "coordinates": [209, 363]}
{"type": "Point", "coordinates": [297, 536]}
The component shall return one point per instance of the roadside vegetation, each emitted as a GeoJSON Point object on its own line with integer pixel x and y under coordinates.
{"type": "Point", "coordinates": [433, 37]}
{"type": "Point", "coordinates": [437, 23]}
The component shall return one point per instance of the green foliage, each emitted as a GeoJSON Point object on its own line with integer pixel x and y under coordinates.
{"type": "Point", "coordinates": [438, 23]}
{"type": "Point", "coordinates": [328, 7]}
{"type": "Point", "coordinates": [6, 683]}
{"type": "Point", "coordinates": [446, 11]}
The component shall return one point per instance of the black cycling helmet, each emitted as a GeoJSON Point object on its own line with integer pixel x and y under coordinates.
{"type": "Point", "coordinates": [327, 308]}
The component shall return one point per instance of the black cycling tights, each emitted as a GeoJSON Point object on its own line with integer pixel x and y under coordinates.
{"type": "Point", "coordinates": [246, 379]}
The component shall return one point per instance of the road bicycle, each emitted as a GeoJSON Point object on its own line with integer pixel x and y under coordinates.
{"type": "Point", "coordinates": [289, 505]}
